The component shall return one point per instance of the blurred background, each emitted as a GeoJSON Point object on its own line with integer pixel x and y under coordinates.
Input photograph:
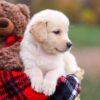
{"type": "Point", "coordinates": [85, 34]}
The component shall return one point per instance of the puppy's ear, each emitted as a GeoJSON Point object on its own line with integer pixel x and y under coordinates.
{"type": "Point", "coordinates": [39, 31]}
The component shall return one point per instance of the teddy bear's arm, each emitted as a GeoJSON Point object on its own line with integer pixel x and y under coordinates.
{"type": "Point", "coordinates": [9, 58]}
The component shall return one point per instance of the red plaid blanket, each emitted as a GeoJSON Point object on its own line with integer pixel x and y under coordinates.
{"type": "Point", "coordinates": [17, 86]}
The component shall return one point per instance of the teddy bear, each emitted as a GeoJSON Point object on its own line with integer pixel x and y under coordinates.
{"type": "Point", "coordinates": [13, 21]}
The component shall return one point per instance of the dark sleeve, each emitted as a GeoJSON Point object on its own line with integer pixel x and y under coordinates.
{"type": "Point", "coordinates": [67, 89]}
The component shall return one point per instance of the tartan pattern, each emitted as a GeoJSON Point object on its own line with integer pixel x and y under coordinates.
{"type": "Point", "coordinates": [73, 87]}
{"type": "Point", "coordinates": [68, 88]}
{"type": "Point", "coordinates": [17, 86]}
{"type": "Point", "coordinates": [12, 85]}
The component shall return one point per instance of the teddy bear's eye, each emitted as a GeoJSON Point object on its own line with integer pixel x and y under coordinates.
{"type": "Point", "coordinates": [56, 32]}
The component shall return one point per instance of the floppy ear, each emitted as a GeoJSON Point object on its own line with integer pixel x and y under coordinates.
{"type": "Point", "coordinates": [39, 31]}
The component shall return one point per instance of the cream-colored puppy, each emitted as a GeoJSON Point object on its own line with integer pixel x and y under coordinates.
{"type": "Point", "coordinates": [45, 50]}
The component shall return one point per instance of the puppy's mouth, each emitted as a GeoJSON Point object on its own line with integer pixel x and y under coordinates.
{"type": "Point", "coordinates": [61, 51]}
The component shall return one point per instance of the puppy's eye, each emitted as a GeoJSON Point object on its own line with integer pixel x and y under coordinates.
{"type": "Point", "coordinates": [56, 32]}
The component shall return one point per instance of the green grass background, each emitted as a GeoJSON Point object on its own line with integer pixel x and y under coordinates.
{"type": "Point", "coordinates": [90, 89]}
{"type": "Point", "coordinates": [87, 37]}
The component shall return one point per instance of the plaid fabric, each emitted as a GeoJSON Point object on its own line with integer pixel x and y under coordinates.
{"type": "Point", "coordinates": [68, 88]}
{"type": "Point", "coordinates": [12, 85]}
{"type": "Point", "coordinates": [17, 86]}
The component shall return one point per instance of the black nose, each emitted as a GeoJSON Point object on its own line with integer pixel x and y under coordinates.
{"type": "Point", "coordinates": [69, 45]}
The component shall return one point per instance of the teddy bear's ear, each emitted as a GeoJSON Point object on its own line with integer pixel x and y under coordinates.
{"type": "Point", "coordinates": [25, 10]}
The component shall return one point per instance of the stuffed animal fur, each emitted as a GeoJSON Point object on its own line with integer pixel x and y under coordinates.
{"type": "Point", "coordinates": [13, 21]}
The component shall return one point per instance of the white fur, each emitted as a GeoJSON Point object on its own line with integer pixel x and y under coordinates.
{"type": "Point", "coordinates": [44, 69]}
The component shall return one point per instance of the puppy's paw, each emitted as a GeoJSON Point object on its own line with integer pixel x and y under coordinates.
{"type": "Point", "coordinates": [49, 87]}
{"type": "Point", "coordinates": [36, 84]}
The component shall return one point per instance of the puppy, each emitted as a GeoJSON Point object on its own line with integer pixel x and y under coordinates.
{"type": "Point", "coordinates": [45, 50]}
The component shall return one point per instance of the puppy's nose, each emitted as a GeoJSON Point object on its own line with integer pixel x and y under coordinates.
{"type": "Point", "coordinates": [69, 44]}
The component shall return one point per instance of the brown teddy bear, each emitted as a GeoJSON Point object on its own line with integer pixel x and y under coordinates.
{"type": "Point", "coordinates": [13, 21]}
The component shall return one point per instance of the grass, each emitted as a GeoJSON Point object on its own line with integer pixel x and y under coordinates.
{"type": "Point", "coordinates": [90, 89]}
{"type": "Point", "coordinates": [85, 36]}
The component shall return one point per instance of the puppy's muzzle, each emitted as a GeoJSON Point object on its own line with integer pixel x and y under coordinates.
{"type": "Point", "coordinates": [68, 46]}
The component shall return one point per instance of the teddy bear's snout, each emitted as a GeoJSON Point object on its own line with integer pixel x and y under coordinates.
{"type": "Point", "coordinates": [6, 26]}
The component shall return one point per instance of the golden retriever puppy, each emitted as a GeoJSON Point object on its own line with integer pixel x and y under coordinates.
{"type": "Point", "coordinates": [45, 50]}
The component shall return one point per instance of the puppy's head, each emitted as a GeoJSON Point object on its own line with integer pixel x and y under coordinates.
{"type": "Point", "coordinates": [50, 29]}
